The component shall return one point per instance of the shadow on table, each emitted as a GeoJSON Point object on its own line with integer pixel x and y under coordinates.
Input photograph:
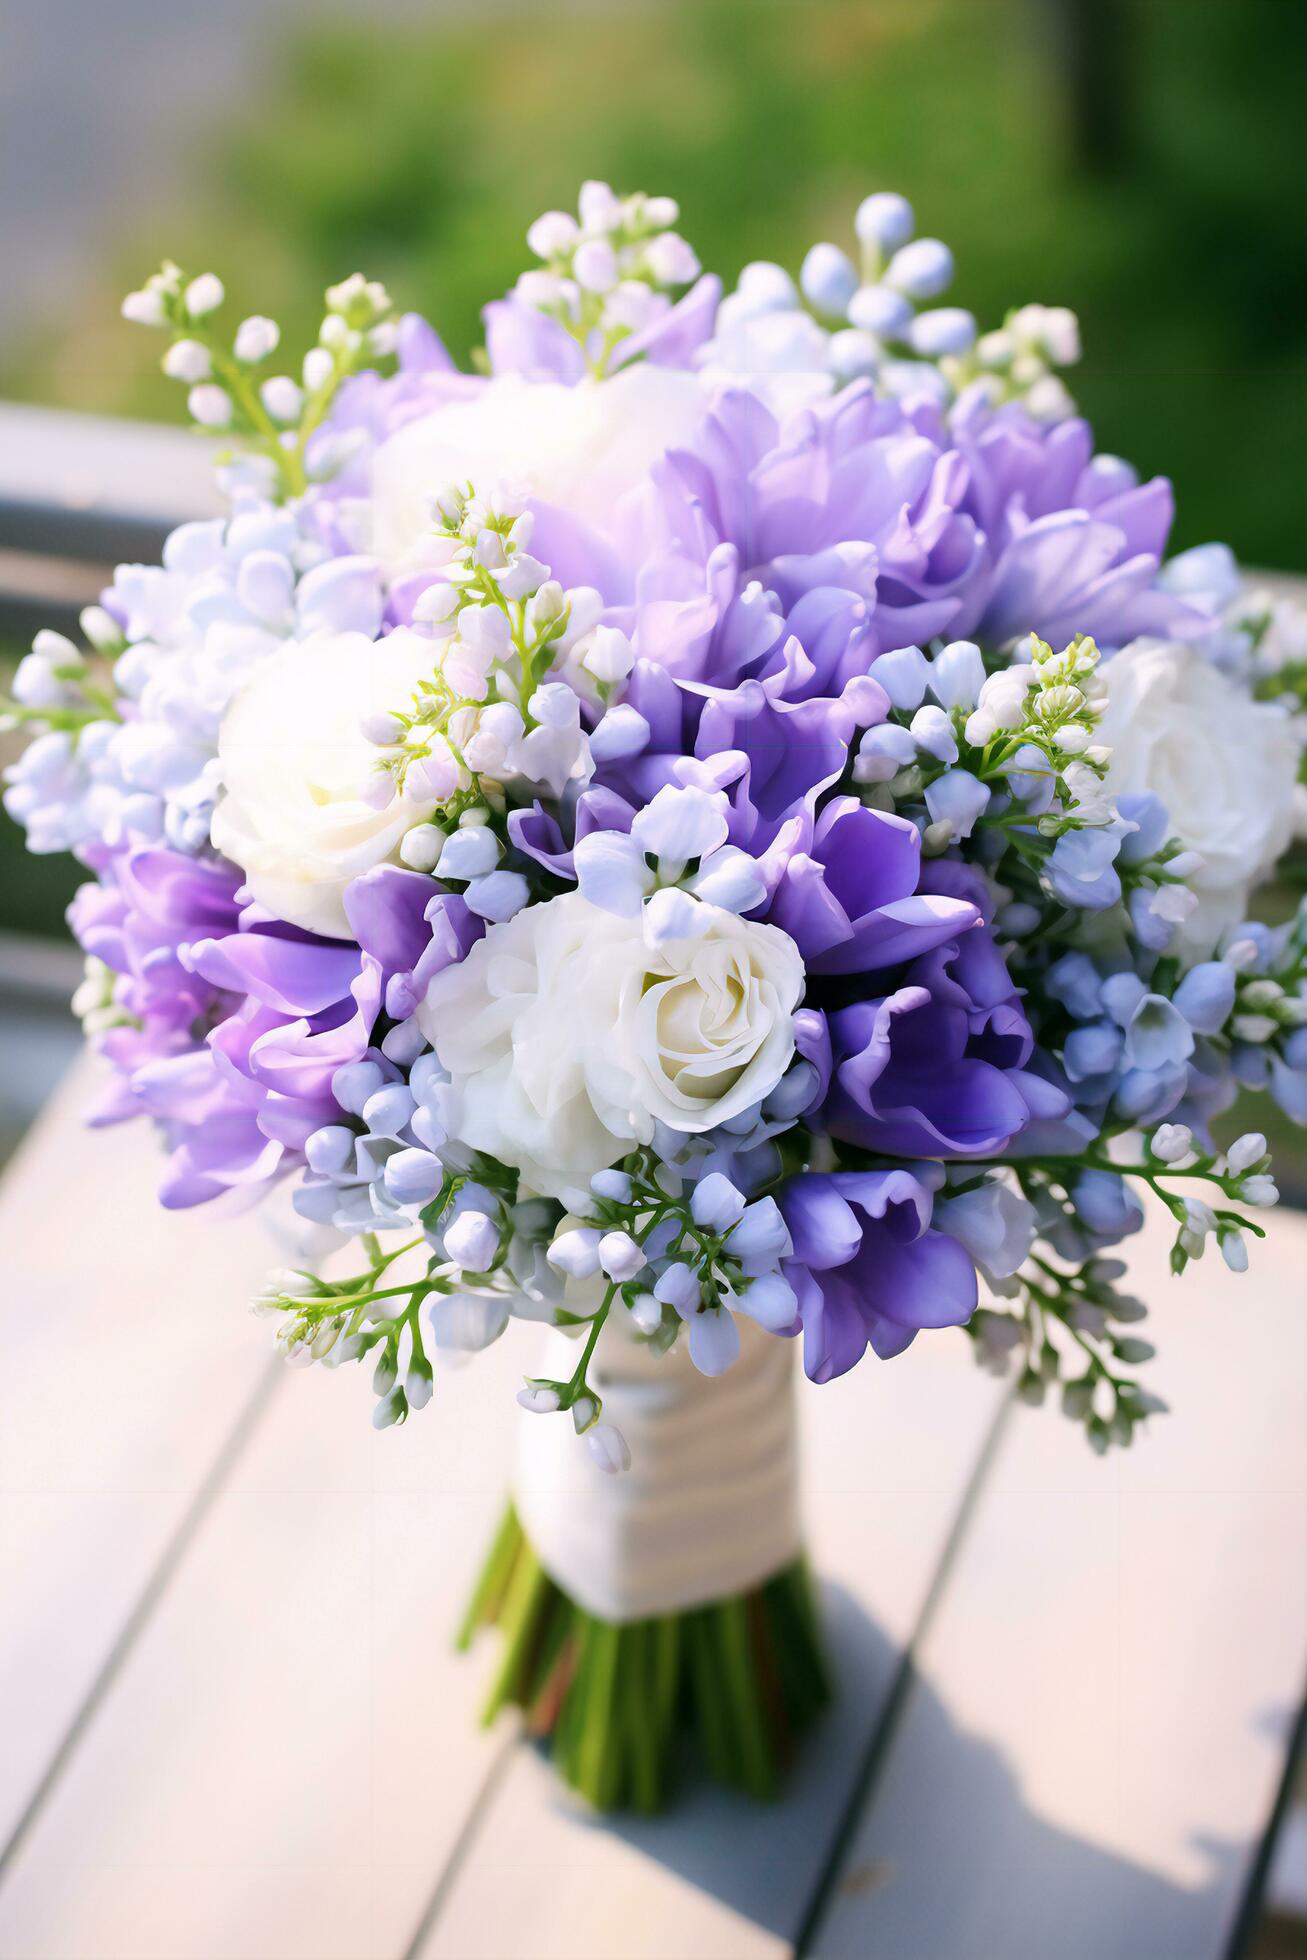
{"type": "Point", "coordinates": [952, 1898]}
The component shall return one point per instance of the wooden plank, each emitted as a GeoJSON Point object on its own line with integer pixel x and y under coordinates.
{"type": "Point", "coordinates": [93, 487]}
{"type": "Point", "coordinates": [128, 1359]}
{"type": "Point", "coordinates": [889, 1453]}
{"type": "Point", "coordinates": [290, 1751]}
{"type": "Point", "coordinates": [1095, 1738]}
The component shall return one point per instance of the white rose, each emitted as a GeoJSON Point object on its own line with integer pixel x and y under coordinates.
{"type": "Point", "coordinates": [295, 768]}
{"type": "Point", "coordinates": [578, 449]}
{"type": "Point", "coordinates": [1223, 764]}
{"type": "Point", "coordinates": [566, 1037]}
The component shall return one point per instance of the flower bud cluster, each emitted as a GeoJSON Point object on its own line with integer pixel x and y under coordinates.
{"type": "Point", "coordinates": [1243, 1176]}
{"type": "Point", "coordinates": [608, 272]}
{"type": "Point", "coordinates": [131, 758]}
{"type": "Point", "coordinates": [95, 1001]}
{"type": "Point", "coordinates": [390, 1164]}
{"type": "Point", "coordinates": [375, 1170]}
{"type": "Point", "coordinates": [1068, 1327]}
{"type": "Point", "coordinates": [489, 716]}
{"type": "Point", "coordinates": [1137, 1047]}
{"type": "Point", "coordinates": [1268, 1026]}
{"type": "Point", "coordinates": [230, 388]}
{"type": "Point", "coordinates": [1019, 361]}
{"type": "Point", "coordinates": [1013, 750]}
{"type": "Point", "coordinates": [673, 1253]}
{"type": "Point", "coordinates": [870, 313]}
{"type": "Point", "coordinates": [673, 862]}
{"type": "Point", "coordinates": [371, 1315]}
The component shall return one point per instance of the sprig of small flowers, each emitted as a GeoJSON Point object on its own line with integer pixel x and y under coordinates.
{"type": "Point", "coordinates": [232, 391]}
{"type": "Point", "coordinates": [1065, 1316]}
{"type": "Point", "coordinates": [1012, 751]}
{"type": "Point", "coordinates": [1242, 1176]}
{"type": "Point", "coordinates": [55, 687]}
{"type": "Point", "coordinates": [608, 272]}
{"type": "Point", "coordinates": [673, 1254]}
{"type": "Point", "coordinates": [866, 305]}
{"type": "Point", "coordinates": [1019, 361]}
{"type": "Point", "coordinates": [1068, 1327]}
{"type": "Point", "coordinates": [349, 1319]}
{"type": "Point", "coordinates": [1270, 1005]}
{"type": "Point", "coordinates": [489, 717]}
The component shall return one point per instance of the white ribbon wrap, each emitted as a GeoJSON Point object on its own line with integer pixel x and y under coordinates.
{"type": "Point", "coordinates": [710, 1504]}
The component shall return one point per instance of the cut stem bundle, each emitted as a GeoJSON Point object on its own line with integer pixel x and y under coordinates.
{"type": "Point", "coordinates": [741, 1677]}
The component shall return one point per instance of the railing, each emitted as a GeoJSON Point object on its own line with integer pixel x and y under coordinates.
{"type": "Point", "coordinates": [80, 494]}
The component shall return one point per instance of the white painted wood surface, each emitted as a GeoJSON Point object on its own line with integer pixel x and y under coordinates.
{"type": "Point", "coordinates": [282, 1761]}
{"type": "Point", "coordinates": [125, 1363]}
{"type": "Point", "coordinates": [1098, 1729]}
{"type": "Point", "coordinates": [889, 1455]}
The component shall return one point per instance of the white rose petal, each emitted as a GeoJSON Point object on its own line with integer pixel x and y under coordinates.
{"type": "Point", "coordinates": [567, 1037]}
{"type": "Point", "coordinates": [1223, 764]}
{"type": "Point", "coordinates": [577, 449]}
{"type": "Point", "coordinates": [296, 815]}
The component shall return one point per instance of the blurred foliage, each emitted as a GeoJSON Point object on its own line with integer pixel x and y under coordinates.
{"type": "Point", "coordinates": [420, 149]}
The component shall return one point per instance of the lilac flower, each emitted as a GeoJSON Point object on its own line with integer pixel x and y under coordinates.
{"type": "Point", "coordinates": [938, 1067]}
{"type": "Point", "coordinates": [849, 898]}
{"type": "Point", "coordinates": [868, 1270]}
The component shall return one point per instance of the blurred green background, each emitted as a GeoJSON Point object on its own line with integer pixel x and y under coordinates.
{"type": "Point", "coordinates": [1139, 160]}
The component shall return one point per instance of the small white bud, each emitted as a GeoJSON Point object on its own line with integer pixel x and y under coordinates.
{"type": "Point", "coordinates": [609, 656]}
{"type": "Point", "coordinates": [1234, 1251]}
{"type": "Point", "coordinates": [145, 309]}
{"type": "Point", "coordinates": [473, 1240]}
{"type": "Point", "coordinates": [1246, 1151]}
{"type": "Point", "coordinates": [378, 792]}
{"type": "Point", "coordinates": [382, 730]}
{"type": "Point", "coordinates": [670, 260]}
{"type": "Point", "coordinates": [1171, 1142]}
{"type": "Point", "coordinates": [204, 295]}
{"type": "Point", "coordinates": [553, 235]}
{"type": "Point", "coordinates": [540, 1401]}
{"type": "Point", "coordinates": [337, 335]}
{"type": "Point", "coordinates": [576, 1253]}
{"type": "Point", "coordinates": [620, 1255]}
{"type": "Point", "coordinates": [420, 847]}
{"type": "Point", "coordinates": [585, 1413]}
{"type": "Point", "coordinates": [100, 628]}
{"type": "Point", "coordinates": [498, 896]}
{"type": "Point", "coordinates": [282, 397]}
{"type": "Point", "coordinates": [256, 338]}
{"type": "Point", "coordinates": [884, 221]}
{"type": "Point", "coordinates": [318, 369]}
{"type": "Point", "coordinates": [647, 1313]}
{"type": "Point", "coordinates": [595, 266]}
{"type": "Point", "coordinates": [828, 280]}
{"type": "Point", "coordinates": [187, 360]}
{"type": "Point", "coordinates": [1260, 1190]}
{"type": "Point", "coordinates": [609, 1448]}
{"type": "Point", "coordinates": [210, 406]}
{"type": "Point", "coordinates": [472, 852]}
{"type": "Point", "coordinates": [921, 270]}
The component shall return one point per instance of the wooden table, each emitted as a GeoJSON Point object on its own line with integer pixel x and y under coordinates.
{"type": "Point", "coordinates": [232, 1727]}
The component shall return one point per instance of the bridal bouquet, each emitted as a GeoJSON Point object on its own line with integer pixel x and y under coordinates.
{"type": "Point", "coordinates": [718, 828]}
